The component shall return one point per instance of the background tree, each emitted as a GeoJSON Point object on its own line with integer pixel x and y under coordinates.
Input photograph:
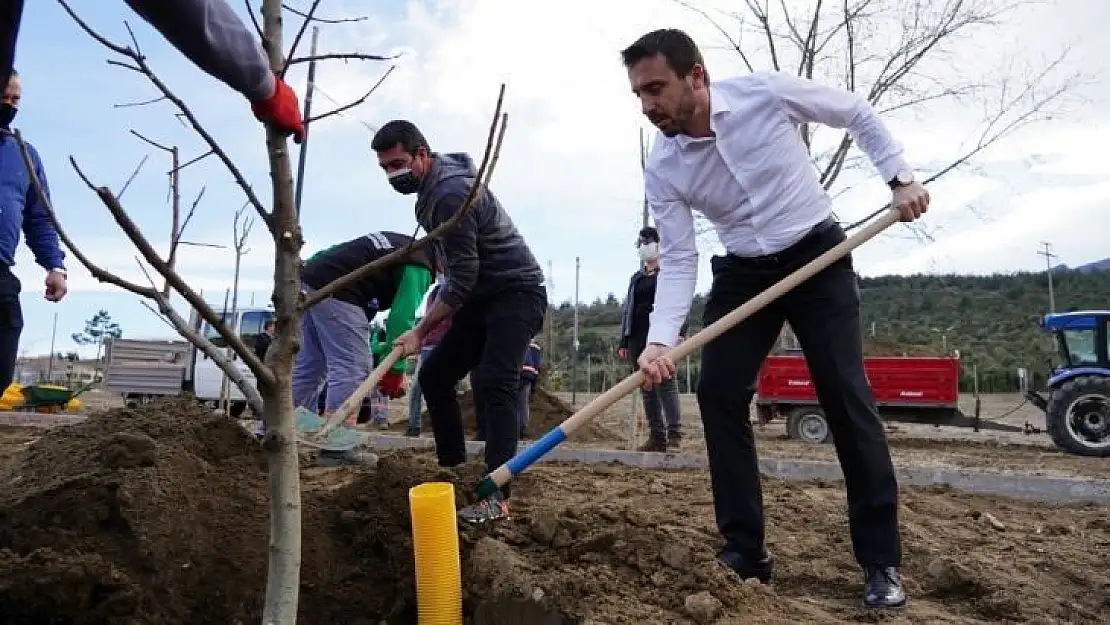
{"type": "Point", "coordinates": [902, 57]}
{"type": "Point", "coordinates": [271, 396]}
{"type": "Point", "coordinates": [99, 329]}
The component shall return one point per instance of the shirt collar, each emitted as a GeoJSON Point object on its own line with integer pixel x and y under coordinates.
{"type": "Point", "coordinates": [718, 108]}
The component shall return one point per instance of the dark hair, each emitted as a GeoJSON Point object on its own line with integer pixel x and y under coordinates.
{"type": "Point", "coordinates": [676, 47]}
{"type": "Point", "coordinates": [399, 132]}
{"type": "Point", "coordinates": [269, 322]}
{"type": "Point", "coordinates": [648, 234]}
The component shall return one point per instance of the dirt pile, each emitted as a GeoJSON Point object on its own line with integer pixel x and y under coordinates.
{"type": "Point", "coordinates": [547, 412]}
{"type": "Point", "coordinates": [133, 514]}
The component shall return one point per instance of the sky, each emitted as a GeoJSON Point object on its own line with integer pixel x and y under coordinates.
{"type": "Point", "coordinates": [569, 171]}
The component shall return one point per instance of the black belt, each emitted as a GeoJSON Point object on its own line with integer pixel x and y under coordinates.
{"type": "Point", "coordinates": [784, 256]}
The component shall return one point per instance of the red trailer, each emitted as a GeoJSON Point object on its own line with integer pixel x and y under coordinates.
{"type": "Point", "coordinates": [918, 389]}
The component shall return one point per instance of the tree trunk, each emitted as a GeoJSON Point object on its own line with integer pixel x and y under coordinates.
{"type": "Point", "coordinates": [284, 574]}
{"type": "Point", "coordinates": [283, 578]}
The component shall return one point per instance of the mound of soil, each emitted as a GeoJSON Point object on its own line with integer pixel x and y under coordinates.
{"type": "Point", "coordinates": [547, 411]}
{"type": "Point", "coordinates": [134, 514]}
{"type": "Point", "coordinates": [158, 516]}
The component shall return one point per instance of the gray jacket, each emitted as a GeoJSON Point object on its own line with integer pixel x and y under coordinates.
{"type": "Point", "coordinates": [483, 254]}
{"type": "Point", "coordinates": [212, 36]}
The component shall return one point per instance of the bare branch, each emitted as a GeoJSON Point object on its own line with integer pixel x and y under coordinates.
{"type": "Point", "coordinates": [762, 15]}
{"type": "Point", "coordinates": [733, 43]}
{"type": "Point", "coordinates": [167, 312]}
{"type": "Point", "coordinates": [195, 160]}
{"type": "Point", "coordinates": [189, 215]}
{"type": "Point", "coordinates": [141, 103]}
{"type": "Point", "coordinates": [348, 56]}
{"type": "Point", "coordinates": [485, 172]}
{"type": "Point", "coordinates": [151, 256]}
{"type": "Point", "coordinates": [241, 229]}
{"type": "Point", "coordinates": [356, 102]}
{"type": "Point", "coordinates": [254, 20]}
{"type": "Point", "coordinates": [131, 178]}
{"type": "Point", "coordinates": [321, 20]}
{"type": "Point", "coordinates": [140, 66]}
{"type": "Point", "coordinates": [97, 272]}
{"type": "Point", "coordinates": [298, 36]}
{"type": "Point", "coordinates": [164, 148]}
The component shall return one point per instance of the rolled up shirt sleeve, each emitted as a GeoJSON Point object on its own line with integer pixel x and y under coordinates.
{"type": "Point", "coordinates": [807, 101]}
{"type": "Point", "coordinates": [678, 260]}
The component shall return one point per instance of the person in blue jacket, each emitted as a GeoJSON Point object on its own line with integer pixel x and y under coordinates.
{"type": "Point", "coordinates": [22, 210]}
{"type": "Point", "coordinates": [529, 373]}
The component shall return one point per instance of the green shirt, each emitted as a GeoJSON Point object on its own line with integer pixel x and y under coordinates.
{"type": "Point", "coordinates": [415, 281]}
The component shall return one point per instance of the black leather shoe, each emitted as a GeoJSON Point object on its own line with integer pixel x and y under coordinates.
{"type": "Point", "coordinates": [883, 588]}
{"type": "Point", "coordinates": [762, 569]}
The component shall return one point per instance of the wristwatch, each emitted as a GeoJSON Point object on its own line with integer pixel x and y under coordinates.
{"type": "Point", "coordinates": [901, 179]}
{"type": "Point", "coordinates": [61, 271]}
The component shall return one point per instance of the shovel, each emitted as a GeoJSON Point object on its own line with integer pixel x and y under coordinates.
{"type": "Point", "coordinates": [330, 435]}
{"type": "Point", "coordinates": [518, 463]}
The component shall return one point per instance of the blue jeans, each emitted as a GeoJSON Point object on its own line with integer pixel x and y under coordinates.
{"type": "Point", "coordinates": [335, 346]}
{"type": "Point", "coordinates": [415, 396]}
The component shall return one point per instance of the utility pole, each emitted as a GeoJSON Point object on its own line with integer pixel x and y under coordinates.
{"type": "Point", "coordinates": [574, 355]}
{"type": "Point", "coordinates": [303, 155]}
{"type": "Point", "coordinates": [1048, 257]}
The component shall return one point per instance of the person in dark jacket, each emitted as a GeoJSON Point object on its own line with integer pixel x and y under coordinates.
{"type": "Point", "coordinates": [494, 295]}
{"type": "Point", "coordinates": [529, 373]}
{"type": "Point", "coordinates": [336, 341]}
{"type": "Point", "coordinates": [211, 35]}
{"type": "Point", "coordinates": [659, 401]}
{"type": "Point", "coordinates": [262, 341]}
{"type": "Point", "coordinates": [23, 210]}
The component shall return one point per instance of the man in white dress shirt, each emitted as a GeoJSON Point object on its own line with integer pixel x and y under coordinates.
{"type": "Point", "coordinates": [732, 152]}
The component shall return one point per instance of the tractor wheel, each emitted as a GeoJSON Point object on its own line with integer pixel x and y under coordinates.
{"type": "Point", "coordinates": [1078, 416]}
{"type": "Point", "coordinates": [808, 424]}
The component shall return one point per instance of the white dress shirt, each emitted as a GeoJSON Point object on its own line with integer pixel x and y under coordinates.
{"type": "Point", "coordinates": [753, 180]}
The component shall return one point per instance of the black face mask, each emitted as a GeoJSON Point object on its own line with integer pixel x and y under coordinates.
{"type": "Point", "coordinates": [404, 182]}
{"type": "Point", "coordinates": [7, 114]}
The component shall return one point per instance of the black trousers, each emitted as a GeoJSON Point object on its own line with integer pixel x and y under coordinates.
{"type": "Point", "coordinates": [824, 314]}
{"type": "Point", "coordinates": [11, 324]}
{"type": "Point", "coordinates": [488, 338]}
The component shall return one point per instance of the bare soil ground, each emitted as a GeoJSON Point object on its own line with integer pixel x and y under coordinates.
{"type": "Point", "coordinates": [158, 516]}
{"type": "Point", "coordinates": [911, 444]}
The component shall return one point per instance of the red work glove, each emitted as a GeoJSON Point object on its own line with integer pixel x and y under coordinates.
{"type": "Point", "coordinates": [392, 385]}
{"type": "Point", "coordinates": [282, 110]}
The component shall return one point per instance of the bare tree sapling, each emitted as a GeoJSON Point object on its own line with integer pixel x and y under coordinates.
{"type": "Point", "coordinates": [271, 395]}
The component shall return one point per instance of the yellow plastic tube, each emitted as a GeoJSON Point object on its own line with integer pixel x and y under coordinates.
{"type": "Point", "coordinates": [435, 542]}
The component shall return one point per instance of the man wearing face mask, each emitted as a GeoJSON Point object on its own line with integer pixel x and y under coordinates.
{"type": "Point", "coordinates": [22, 209]}
{"type": "Point", "coordinates": [661, 405]}
{"type": "Point", "coordinates": [494, 296]}
{"type": "Point", "coordinates": [211, 35]}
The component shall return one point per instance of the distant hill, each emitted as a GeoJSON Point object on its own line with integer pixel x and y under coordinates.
{"type": "Point", "coordinates": [1098, 265]}
{"type": "Point", "coordinates": [991, 320]}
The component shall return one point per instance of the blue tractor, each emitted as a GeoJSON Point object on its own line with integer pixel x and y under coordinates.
{"type": "Point", "coordinates": [1077, 401]}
